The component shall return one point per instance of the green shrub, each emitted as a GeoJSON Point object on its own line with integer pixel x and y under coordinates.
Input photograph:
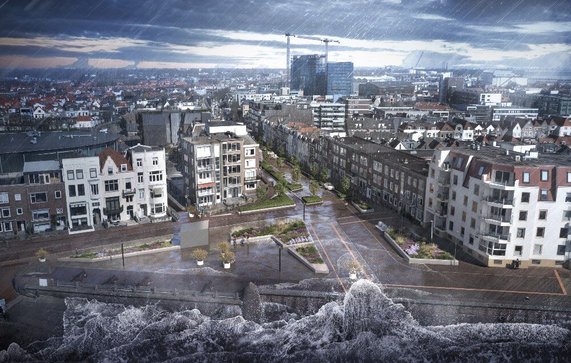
{"type": "Point", "coordinates": [309, 199]}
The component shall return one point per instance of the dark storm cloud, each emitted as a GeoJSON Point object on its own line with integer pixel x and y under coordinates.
{"type": "Point", "coordinates": [204, 31]}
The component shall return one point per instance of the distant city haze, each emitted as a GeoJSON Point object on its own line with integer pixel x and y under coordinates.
{"type": "Point", "coordinates": [526, 34]}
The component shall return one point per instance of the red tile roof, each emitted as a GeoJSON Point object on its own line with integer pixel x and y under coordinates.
{"type": "Point", "coordinates": [116, 156]}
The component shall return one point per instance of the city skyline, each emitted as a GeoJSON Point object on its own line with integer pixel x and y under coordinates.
{"type": "Point", "coordinates": [234, 34]}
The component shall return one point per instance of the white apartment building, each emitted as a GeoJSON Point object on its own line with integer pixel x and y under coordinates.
{"type": "Point", "coordinates": [221, 163]}
{"type": "Point", "coordinates": [83, 193]}
{"type": "Point", "coordinates": [328, 116]}
{"type": "Point", "coordinates": [500, 113]}
{"type": "Point", "coordinates": [149, 182]}
{"type": "Point", "coordinates": [500, 206]}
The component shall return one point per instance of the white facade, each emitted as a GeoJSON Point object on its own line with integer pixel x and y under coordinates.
{"type": "Point", "coordinates": [83, 193]}
{"type": "Point", "coordinates": [501, 212]}
{"type": "Point", "coordinates": [149, 186]}
{"type": "Point", "coordinates": [499, 113]}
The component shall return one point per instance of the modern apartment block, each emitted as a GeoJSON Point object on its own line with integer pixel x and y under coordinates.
{"type": "Point", "coordinates": [221, 164]}
{"type": "Point", "coordinates": [32, 201]}
{"type": "Point", "coordinates": [329, 116]}
{"type": "Point", "coordinates": [501, 206]}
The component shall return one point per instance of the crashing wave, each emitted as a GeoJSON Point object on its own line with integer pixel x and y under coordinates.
{"type": "Point", "coordinates": [366, 326]}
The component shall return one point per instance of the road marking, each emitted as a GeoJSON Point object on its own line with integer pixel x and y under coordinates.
{"type": "Point", "coordinates": [348, 249]}
{"type": "Point", "coordinates": [475, 289]}
{"type": "Point", "coordinates": [328, 258]}
{"type": "Point", "coordinates": [560, 282]}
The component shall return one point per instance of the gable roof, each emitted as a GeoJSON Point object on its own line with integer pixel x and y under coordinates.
{"type": "Point", "coordinates": [116, 156]}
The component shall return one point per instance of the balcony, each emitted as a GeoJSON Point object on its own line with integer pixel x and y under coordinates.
{"type": "Point", "coordinates": [500, 184]}
{"type": "Point", "coordinates": [250, 178]}
{"type": "Point", "coordinates": [200, 169]}
{"type": "Point", "coordinates": [128, 192]}
{"type": "Point", "coordinates": [113, 211]}
{"type": "Point", "coordinates": [498, 219]}
{"type": "Point", "coordinates": [494, 237]}
{"type": "Point", "coordinates": [500, 202]}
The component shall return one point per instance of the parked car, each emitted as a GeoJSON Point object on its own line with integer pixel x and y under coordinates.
{"type": "Point", "coordinates": [328, 186]}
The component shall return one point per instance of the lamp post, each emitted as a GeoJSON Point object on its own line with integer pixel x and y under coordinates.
{"type": "Point", "coordinates": [432, 230]}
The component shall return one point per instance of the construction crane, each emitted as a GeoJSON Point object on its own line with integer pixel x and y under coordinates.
{"type": "Point", "coordinates": [326, 41]}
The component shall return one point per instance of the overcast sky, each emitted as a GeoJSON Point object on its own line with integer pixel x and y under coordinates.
{"type": "Point", "coordinates": [248, 34]}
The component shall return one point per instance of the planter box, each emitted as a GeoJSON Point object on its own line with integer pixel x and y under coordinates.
{"type": "Point", "coordinates": [419, 261]}
{"type": "Point", "coordinates": [369, 210]}
{"type": "Point", "coordinates": [129, 254]}
{"type": "Point", "coordinates": [318, 268]}
{"type": "Point", "coordinates": [266, 209]}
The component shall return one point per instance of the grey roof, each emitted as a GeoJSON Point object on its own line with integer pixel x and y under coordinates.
{"type": "Point", "coordinates": [38, 166]}
{"type": "Point", "coordinates": [11, 143]}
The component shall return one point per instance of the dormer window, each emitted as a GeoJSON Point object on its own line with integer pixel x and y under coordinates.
{"type": "Point", "coordinates": [110, 170]}
{"type": "Point", "coordinates": [123, 167]}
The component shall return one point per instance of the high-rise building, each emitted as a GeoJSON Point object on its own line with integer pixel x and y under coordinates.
{"type": "Point", "coordinates": [308, 73]}
{"type": "Point", "coordinates": [340, 79]}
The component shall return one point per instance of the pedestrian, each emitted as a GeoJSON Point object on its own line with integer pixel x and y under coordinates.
{"type": "Point", "coordinates": [242, 242]}
{"type": "Point", "coordinates": [233, 241]}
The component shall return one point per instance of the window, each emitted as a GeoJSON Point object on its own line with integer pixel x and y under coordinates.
{"type": "Point", "coordinates": [58, 194]}
{"type": "Point", "coordinates": [544, 175]}
{"type": "Point", "coordinates": [128, 184]}
{"type": "Point", "coordinates": [451, 225]}
{"type": "Point", "coordinates": [472, 223]}
{"type": "Point", "coordinates": [113, 204]}
{"type": "Point", "coordinates": [455, 180]}
{"type": "Point", "coordinates": [537, 249]}
{"type": "Point", "coordinates": [543, 194]}
{"type": "Point", "coordinates": [77, 210]}
{"type": "Point", "coordinates": [81, 189]}
{"type": "Point", "coordinates": [561, 250]}
{"type": "Point", "coordinates": [59, 210]}
{"type": "Point", "coordinates": [94, 189]}
{"type": "Point", "coordinates": [17, 197]}
{"type": "Point", "coordinates": [525, 197]}
{"type": "Point", "coordinates": [19, 211]}
{"type": "Point", "coordinates": [40, 214]}
{"type": "Point", "coordinates": [38, 197]}
{"type": "Point", "coordinates": [72, 192]}
{"type": "Point", "coordinates": [141, 193]}
{"type": "Point", "coordinates": [7, 226]}
{"type": "Point", "coordinates": [93, 173]}
{"type": "Point", "coordinates": [139, 162]}
{"type": "Point", "coordinates": [568, 177]}
{"type": "Point", "coordinates": [4, 198]}
{"type": "Point", "coordinates": [525, 177]}
{"type": "Point", "coordinates": [466, 200]}
{"type": "Point", "coordinates": [453, 195]}
{"type": "Point", "coordinates": [567, 197]}
{"type": "Point", "coordinates": [452, 210]}
{"type": "Point", "coordinates": [155, 176]}
{"type": "Point", "coordinates": [79, 174]}
{"type": "Point", "coordinates": [110, 170]}
{"type": "Point", "coordinates": [523, 215]}
{"type": "Point", "coordinates": [123, 167]}
{"type": "Point", "coordinates": [462, 230]}
{"type": "Point", "coordinates": [70, 175]}
{"type": "Point", "coordinates": [476, 189]}
{"type": "Point", "coordinates": [540, 232]}
{"type": "Point", "coordinates": [157, 208]}
{"type": "Point", "coordinates": [111, 185]}
{"type": "Point", "coordinates": [521, 233]}
{"type": "Point", "coordinates": [474, 207]}
{"type": "Point", "coordinates": [155, 161]}
{"type": "Point", "coordinates": [542, 214]}
{"type": "Point", "coordinates": [518, 250]}
{"type": "Point", "coordinates": [5, 212]}
{"type": "Point", "coordinates": [250, 152]}
{"type": "Point", "coordinates": [563, 232]}
{"type": "Point", "coordinates": [140, 177]}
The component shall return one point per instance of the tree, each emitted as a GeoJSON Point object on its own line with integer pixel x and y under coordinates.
{"type": "Point", "coordinates": [261, 192]}
{"type": "Point", "coordinates": [313, 187]}
{"type": "Point", "coordinates": [323, 176]}
{"type": "Point", "coordinates": [314, 169]}
{"type": "Point", "coordinates": [281, 187]}
{"type": "Point", "coordinates": [345, 185]}
{"type": "Point", "coordinates": [295, 173]}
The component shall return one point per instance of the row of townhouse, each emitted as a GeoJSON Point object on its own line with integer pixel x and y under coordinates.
{"type": "Point", "coordinates": [496, 204]}
{"type": "Point", "coordinates": [80, 193]}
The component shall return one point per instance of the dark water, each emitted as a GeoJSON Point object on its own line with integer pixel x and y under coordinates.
{"type": "Point", "coordinates": [366, 326]}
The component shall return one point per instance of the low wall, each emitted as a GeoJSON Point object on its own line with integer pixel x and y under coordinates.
{"type": "Point", "coordinates": [423, 261]}
{"type": "Point", "coordinates": [116, 256]}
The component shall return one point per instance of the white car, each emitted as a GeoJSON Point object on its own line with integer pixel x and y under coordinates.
{"type": "Point", "coordinates": [328, 186]}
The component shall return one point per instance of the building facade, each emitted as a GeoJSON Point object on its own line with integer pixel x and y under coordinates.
{"type": "Point", "coordinates": [339, 79]}
{"type": "Point", "coordinates": [309, 73]}
{"type": "Point", "coordinates": [220, 167]}
{"type": "Point", "coordinates": [500, 207]}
